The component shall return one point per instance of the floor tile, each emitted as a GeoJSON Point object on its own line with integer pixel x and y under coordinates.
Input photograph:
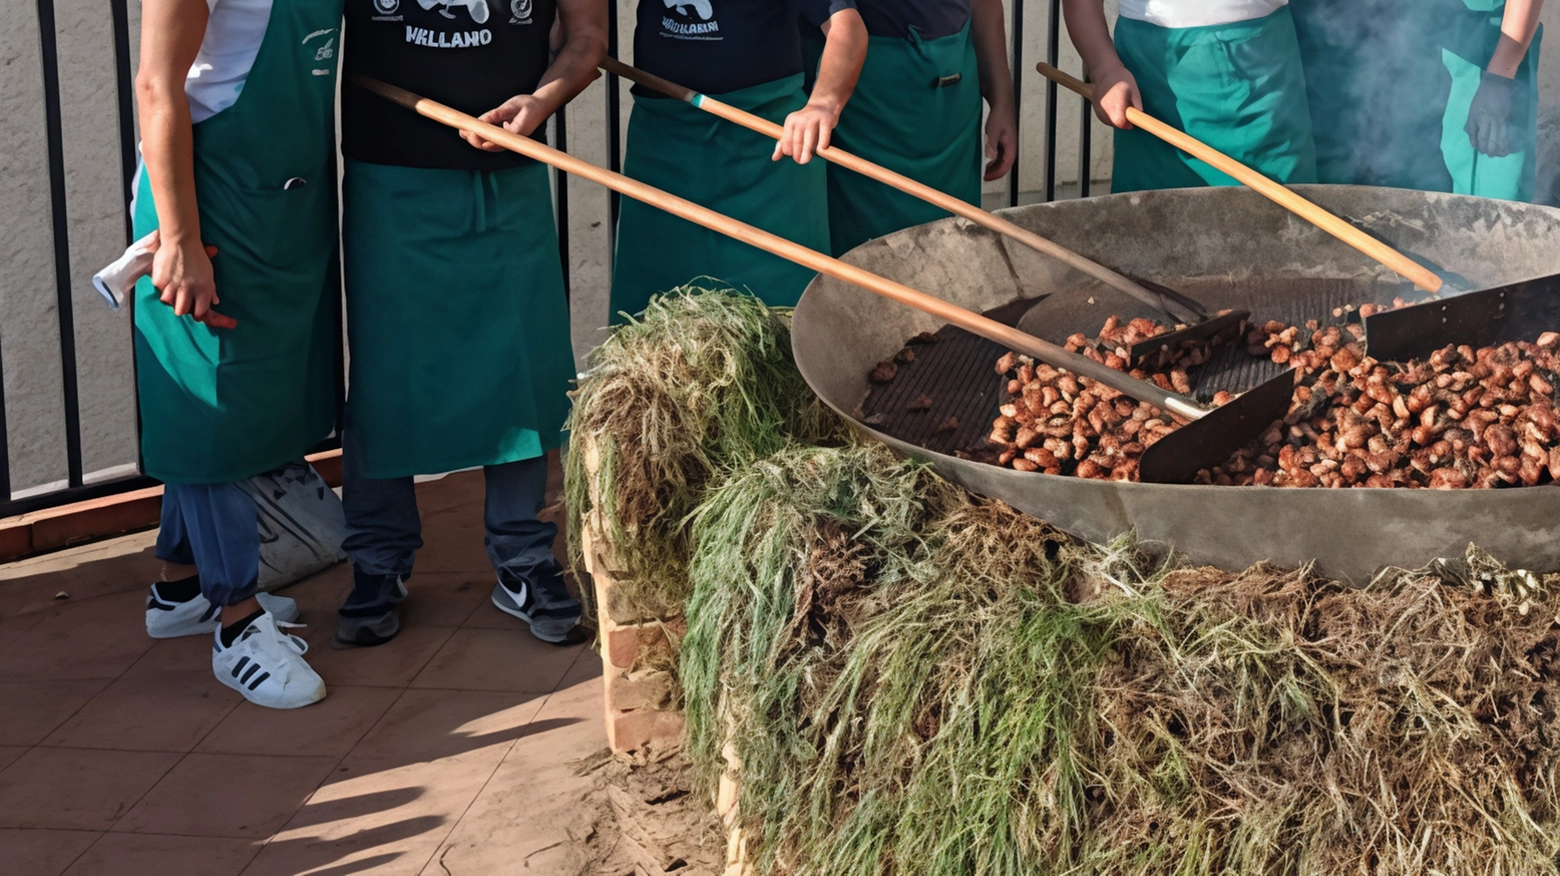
{"type": "Point", "coordinates": [42, 852]}
{"type": "Point", "coordinates": [34, 708]}
{"type": "Point", "coordinates": [133, 854]}
{"type": "Point", "coordinates": [319, 595]}
{"type": "Point", "coordinates": [393, 800]}
{"type": "Point", "coordinates": [481, 659]}
{"type": "Point", "coordinates": [157, 711]}
{"type": "Point", "coordinates": [225, 795]}
{"type": "Point", "coordinates": [9, 754]}
{"type": "Point", "coordinates": [452, 542]}
{"type": "Point", "coordinates": [426, 725]}
{"type": "Point", "coordinates": [445, 599]}
{"type": "Point", "coordinates": [115, 565]}
{"type": "Point", "coordinates": [77, 789]}
{"type": "Point", "coordinates": [393, 664]}
{"type": "Point", "coordinates": [536, 778]}
{"type": "Point", "coordinates": [98, 638]}
{"type": "Point", "coordinates": [327, 728]}
{"type": "Point", "coordinates": [184, 654]}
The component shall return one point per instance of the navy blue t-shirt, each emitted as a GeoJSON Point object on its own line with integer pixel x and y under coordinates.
{"type": "Point", "coordinates": [933, 18]}
{"type": "Point", "coordinates": [719, 46]}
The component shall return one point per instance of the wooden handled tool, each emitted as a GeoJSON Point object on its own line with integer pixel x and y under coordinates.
{"type": "Point", "coordinates": [1176, 309]}
{"type": "Point", "coordinates": [1274, 191]}
{"type": "Point", "coordinates": [1208, 439]}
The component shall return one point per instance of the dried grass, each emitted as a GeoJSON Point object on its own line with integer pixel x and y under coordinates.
{"type": "Point", "coordinates": [915, 681]}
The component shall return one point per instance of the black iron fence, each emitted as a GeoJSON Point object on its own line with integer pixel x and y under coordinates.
{"type": "Point", "coordinates": [77, 485]}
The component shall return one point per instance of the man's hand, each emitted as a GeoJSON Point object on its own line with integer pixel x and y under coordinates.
{"type": "Point", "coordinates": [1490, 116]}
{"type": "Point", "coordinates": [807, 131]}
{"type": "Point", "coordinates": [1114, 91]}
{"type": "Point", "coordinates": [182, 275]}
{"type": "Point", "coordinates": [1001, 141]}
{"type": "Point", "coordinates": [520, 114]}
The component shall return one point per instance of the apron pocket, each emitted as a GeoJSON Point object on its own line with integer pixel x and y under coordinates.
{"type": "Point", "coordinates": [285, 228]}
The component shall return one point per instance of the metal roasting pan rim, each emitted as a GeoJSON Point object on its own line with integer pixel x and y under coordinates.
{"type": "Point", "coordinates": [1230, 527]}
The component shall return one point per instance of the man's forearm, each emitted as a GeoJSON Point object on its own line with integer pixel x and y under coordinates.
{"type": "Point", "coordinates": [167, 147]}
{"type": "Point", "coordinates": [1091, 34]}
{"type": "Point", "coordinates": [1517, 28]}
{"type": "Point", "coordinates": [844, 51]}
{"type": "Point", "coordinates": [990, 34]}
{"type": "Point", "coordinates": [572, 71]}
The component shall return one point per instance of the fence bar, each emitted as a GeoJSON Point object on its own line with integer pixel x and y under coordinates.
{"type": "Point", "coordinates": [1053, 46]}
{"type": "Point", "coordinates": [1018, 92]}
{"type": "Point", "coordinates": [61, 227]}
{"type": "Point", "coordinates": [5, 449]}
{"type": "Point", "coordinates": [1085, 145]}
{"type": "Point", "coordinates": [127, 163]}
{"type": "Point", "coordinates": [614, 137]}
{"type": "Point", "coordinates": [561, 195]}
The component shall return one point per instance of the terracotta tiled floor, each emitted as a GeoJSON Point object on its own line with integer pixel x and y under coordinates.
{"type": "Point", "coordinates": [443, 752]}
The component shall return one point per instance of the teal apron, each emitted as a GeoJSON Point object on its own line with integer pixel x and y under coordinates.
{"type": "Point", "coordinates": [686, 151]}
{"type": "Point", "coordinates": [1237, 87]}
{"type": "Point", "coordinates": [916, 110]}
{"type": "Point", "coordinates": [456, 317]}
{"type": "Point", "coordinates": [224, 405]}
{"type": "Point", "coordinates": [1468, 51]}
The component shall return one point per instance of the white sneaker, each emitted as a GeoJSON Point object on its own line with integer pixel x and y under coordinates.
{"type": "Point", "coordinates": [266, 665]}
{"type": "Point", "coordinates": [170, 620]}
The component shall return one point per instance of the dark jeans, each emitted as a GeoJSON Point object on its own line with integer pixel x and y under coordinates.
{"type": "Point", "coordinates": [384, 529]}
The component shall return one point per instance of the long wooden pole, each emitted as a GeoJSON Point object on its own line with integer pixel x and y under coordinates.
{"type": "Point", "coordinates": [920, 190]}
{"type": "Point", "coordinates": [1008, 336]}
{"type": "Point", "coordinates": [1274, 191]}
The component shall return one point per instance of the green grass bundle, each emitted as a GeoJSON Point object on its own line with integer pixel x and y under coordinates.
{"type": "Point", "coordinates": [703, 381]}
{"type": "Point", "coordinates": [918, 682]}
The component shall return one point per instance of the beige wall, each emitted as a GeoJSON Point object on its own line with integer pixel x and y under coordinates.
{"type": "Point", "coordinates": [29, 339]}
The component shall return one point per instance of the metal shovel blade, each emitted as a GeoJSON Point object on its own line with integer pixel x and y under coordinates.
{"type": "Point", "coordinates": [1211, 440]}
{"type": "Point", "coordinates": [1518, 311]}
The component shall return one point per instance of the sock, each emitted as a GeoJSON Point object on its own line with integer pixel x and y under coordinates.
{"type": "Point", "coordinates": [231, 632]}
{"type": "Point", "coordinates": [182, 590]}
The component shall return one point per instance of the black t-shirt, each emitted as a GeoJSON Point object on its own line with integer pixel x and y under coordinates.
{"type": "Point", "coordinates": [468, 54]}
{"type": "Point", "coordinates": [719, 46]}
{"type": "Point", "coordinates": [933, 18]}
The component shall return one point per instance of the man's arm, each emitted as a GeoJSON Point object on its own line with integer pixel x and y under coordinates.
{"type": "Point", "coordinates": [1114, 87]}
{"type": "Point", "coordinates": [996, 85]}
{"type": "Point", "coordinates": [584, 27]}
{"type": "Point", "coordinates": [1517, 29]}
{"type": "Point", "coordinates": [171, 34]}
{"type": "Point", "coordinates": [844, 51]}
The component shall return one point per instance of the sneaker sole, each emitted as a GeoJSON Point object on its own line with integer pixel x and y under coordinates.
{"type": "Point", "coordinates": [319, 694]}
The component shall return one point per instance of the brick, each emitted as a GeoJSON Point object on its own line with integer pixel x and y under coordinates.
{"type": "Point", "coordinates": [633, 646]}
{"type": "Point", "coordinates": [631, 731]}
{"type": "Point", "coordinates": [726, 798]}
{"type": "Point", "coordinates": [644, 689]}
{"type": "Point", "coordinates": [617, 605]}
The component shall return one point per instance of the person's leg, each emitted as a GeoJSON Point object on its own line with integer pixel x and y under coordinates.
{"type": "Point", "coordinates": [520, 545]}
{"type": "Point", "coordinates": [252, 654]}
{"type": "Point", "coordinates": [384, 532]}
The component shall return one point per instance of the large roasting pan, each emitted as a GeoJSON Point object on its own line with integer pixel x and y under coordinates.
{"type": "Point", "coordinates": [1228, 247]}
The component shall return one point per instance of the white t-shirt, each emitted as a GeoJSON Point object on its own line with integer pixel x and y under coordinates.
{"type": "Point", "coordinates": [1198, 13]}
{"type": "Point", "coordinates": [233, 36]}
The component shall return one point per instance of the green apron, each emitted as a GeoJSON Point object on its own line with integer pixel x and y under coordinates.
{"type": "Point", "coordinates": [686, 151]}
{"type": "Point", "coordinates": [916, 110]}
{"type": "Point", "coordinates": [1468, 52]}
{"type": "Point", "coordinates": [456, 317]}
{"type": "Point", "coordinates": [1237, 87]}
{"type": "Point", "coordinates": [224, 405]}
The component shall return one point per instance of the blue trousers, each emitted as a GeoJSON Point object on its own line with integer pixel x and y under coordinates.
{"type": "Point", "coordinates": [216, 529]}
{"type": "Point", "coordinates": [384, 529]}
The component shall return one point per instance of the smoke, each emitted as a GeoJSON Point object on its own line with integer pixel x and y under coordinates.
{"type": "Point", "coordinates": [1378, 88]}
